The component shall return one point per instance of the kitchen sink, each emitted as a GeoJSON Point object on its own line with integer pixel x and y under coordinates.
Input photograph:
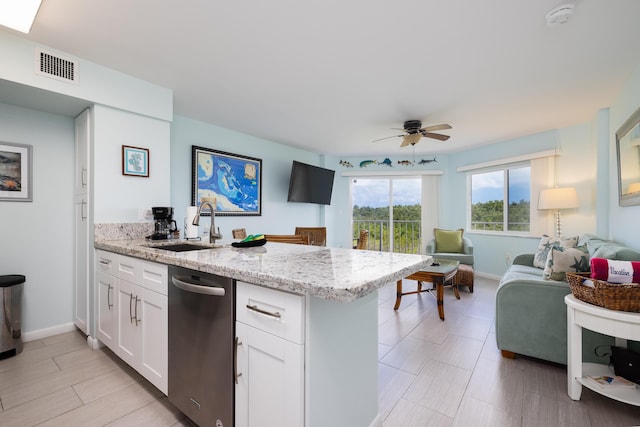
{"type": "Point", "coordinates": [184, 247]}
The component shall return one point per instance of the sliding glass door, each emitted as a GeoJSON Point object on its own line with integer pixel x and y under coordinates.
{"type": "Point", "coordinates": [390, 208]}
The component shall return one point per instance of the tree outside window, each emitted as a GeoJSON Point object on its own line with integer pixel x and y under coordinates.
{"type": "Point", "coordinates": [492, 191]}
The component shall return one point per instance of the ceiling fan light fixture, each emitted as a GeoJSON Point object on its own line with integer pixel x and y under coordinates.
{"type": "Point", "coordinates": [560, 15]}
{"type": "Point", "coordinates": [411, 139]}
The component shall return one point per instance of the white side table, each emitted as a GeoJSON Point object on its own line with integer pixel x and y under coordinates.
{"type": "Point", "coordinates": [620, 324]}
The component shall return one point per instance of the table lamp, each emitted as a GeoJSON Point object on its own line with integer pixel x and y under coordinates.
{"type": "Point", "coordinates": [558, 198]}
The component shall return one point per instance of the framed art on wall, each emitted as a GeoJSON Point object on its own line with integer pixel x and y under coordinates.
{"type": "Point", "coordinates": [135, 161]}
{"type": "Point", "coordinates": [233, 183]}
{"type": "Point", "coordinates": [16, 174]}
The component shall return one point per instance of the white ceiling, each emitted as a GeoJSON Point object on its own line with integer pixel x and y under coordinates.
{"type": "Point", "coordinates": [333, 75]}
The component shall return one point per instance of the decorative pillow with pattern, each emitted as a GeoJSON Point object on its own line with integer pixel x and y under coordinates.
{"type": "Point", "coordinates": [545, 245]}
{"type": "Point", "coordinates": [565, 260]}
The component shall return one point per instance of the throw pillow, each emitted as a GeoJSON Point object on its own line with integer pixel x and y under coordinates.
{"type": "Point", "coordinates": [449, 241]}
{"type": "Point", "coordinates": [615, 251]}
{"type": "Point", "coordinates": [545, 245]}
{"type": "Point", "coordinates": [565, 260]}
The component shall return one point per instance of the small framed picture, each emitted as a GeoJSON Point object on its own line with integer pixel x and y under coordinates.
{"type": "Point", "coordinates": [16, 172]}
{"type": "Point", "coordinates": [135, 161]}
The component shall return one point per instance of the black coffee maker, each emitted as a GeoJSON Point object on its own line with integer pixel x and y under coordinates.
{"type": "Point", "coordinates": [164, 225]}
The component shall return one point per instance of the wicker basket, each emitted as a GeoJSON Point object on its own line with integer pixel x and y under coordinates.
{"type": "Point", "coordinates": [614, 296]}
{"type": "Point", "coordinates": [582, 292]}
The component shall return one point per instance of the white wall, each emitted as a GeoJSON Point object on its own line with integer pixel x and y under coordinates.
{"type": "Point", "coordinates": [96, 83]}
{"type": "Point", "coordinates": [118, 197]}
{"type": "Point", "coordinates": [278, 215]}
{"type": "Point", "coordinates": [37, 237]}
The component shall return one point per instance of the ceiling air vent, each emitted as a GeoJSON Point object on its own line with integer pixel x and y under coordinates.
{"type": "Point", "coordinates": [56, 67]}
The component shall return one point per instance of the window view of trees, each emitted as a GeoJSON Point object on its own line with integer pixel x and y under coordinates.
{"type": "Point", "coordinates": [373, 201]}
{"type": "Point", "coordinates": [406, 230]}
{"type": "Point", "coordinates": [490, 190]}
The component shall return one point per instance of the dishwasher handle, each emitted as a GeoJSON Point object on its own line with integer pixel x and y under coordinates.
{"type": "Point", "coordinates": [198, 289]}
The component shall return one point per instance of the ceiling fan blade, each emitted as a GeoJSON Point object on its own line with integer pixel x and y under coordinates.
{"type": "Point", "coordinates": [436, 136]}
{"type": "Point", "coordinates": [436, 127]}
{"type": "Point", "coordinates": [410, 139]}
{"type": "Point", "coordinates": [393, 136]}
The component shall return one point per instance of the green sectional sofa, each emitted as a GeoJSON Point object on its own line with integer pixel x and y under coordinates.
{"type": "Point", "coordinates": [531, 316]}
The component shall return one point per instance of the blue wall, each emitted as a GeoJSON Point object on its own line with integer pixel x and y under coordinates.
{"type": "Point", "coordinates": [278, 215]}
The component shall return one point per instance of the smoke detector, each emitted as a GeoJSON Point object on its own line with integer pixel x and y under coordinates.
{"type": "Point", "coordinates": [559, 15]}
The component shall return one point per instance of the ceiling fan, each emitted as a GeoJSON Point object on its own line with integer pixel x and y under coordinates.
{"type": "Point", "coordinates": [414, 131]}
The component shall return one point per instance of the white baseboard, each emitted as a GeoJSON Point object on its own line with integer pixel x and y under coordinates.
{"type": "Point", "coordinates": [487, 275]}
{"type": "Point", "coordinates": [94, 343]}
{"type": "Point", "coordinates": [48, 332]}
{"type": "Point", "coordinates": [377, 422]}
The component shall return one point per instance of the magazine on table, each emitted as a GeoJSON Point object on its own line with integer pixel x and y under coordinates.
{"type": "Point", "coordinates": [606, 382]}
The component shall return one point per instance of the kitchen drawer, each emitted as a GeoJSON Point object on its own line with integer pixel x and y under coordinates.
{"type": "Point", "coordinates": [127, 269]}
{"type": "Point", "coordinates": [276, 312]}
{"type": "Point", "coordinates": [107, 262]}
{"type": "Point", "coordinates": [155, 276]}
{"type": "Point", "coordinates": [149, 275]}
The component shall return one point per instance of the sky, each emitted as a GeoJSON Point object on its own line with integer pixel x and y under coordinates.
{"type": "Point", "coordinates": [489, 186]}
{"type": "Point", "coordinates": [375, 192]}
{"type": "Point", "coordinates": [486, 187]}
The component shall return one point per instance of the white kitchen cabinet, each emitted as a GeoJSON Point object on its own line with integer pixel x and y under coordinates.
{"type": "Point", "coordinates": [82, 221]}
{"type": "Point", "coordinates": [106, 282]}
{"type": "Point", "coordinates": [107, 309]}
{"type": "Point", "coordinates": [133, 313]}
{"type": "Point", "coordinates": [270, 357]}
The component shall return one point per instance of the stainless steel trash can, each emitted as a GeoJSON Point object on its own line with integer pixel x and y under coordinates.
{"type": "Point", "coordinates": [11, 286]}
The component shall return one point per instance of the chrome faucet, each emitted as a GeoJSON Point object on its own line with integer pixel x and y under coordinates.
{"type": "Point", "coordinates": [213, 236]}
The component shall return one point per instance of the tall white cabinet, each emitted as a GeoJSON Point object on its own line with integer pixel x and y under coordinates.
{"type": "Point", "coordinates": [82, 221]}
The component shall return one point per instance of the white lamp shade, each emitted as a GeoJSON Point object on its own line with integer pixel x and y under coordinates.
{"type": "Point", "coordinates": [558, 198]}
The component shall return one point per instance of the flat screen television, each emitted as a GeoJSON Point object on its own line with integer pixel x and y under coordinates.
{"type": "Point", "coordinates": [310, 184]}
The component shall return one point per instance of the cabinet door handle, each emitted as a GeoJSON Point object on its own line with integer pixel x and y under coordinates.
{"type": "Point", "coordinates": [255, 308]}
{"type": "Point", "coordinates": [109, 289]}
{"type": "Point", "coordinates": [83, 214]}
{"type": "Point", "coordinates": [84, 177]}
{"type": "Point", "coordinates": [236, 374]}
{"type": "Point", "coordinates": [136, 313]}
{"type": "Point", "coordinates": [130, 310]}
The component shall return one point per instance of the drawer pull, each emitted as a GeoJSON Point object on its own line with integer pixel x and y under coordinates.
{"type": "Point", "coordinates": [104, 261]}
{"type": "Point", "coordinates": [255, 308]}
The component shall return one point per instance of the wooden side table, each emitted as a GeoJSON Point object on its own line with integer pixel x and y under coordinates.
{"type": "Point", "coordinates": [436, 274]}
{"type": "Point", "coordinates": [619, 324]}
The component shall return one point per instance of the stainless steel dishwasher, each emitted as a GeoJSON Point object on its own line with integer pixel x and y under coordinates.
{"type": "Point", "coordinates": [201, 346]}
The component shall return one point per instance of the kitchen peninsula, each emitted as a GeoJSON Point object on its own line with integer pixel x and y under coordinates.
{"type": "Point", "coordinates": [338, 289]}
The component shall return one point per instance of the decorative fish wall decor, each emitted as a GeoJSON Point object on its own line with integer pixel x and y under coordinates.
{"type": "Point", "coordinates": [405, 162]}
{"type": "Point", "coordinates": [427, 161]}
{"type": "Point", "coordinates": [346, 164]}
{"type": "Point", "coordinates": [365, 163]}
{"type": "Point", "coordinates": [386, 162]}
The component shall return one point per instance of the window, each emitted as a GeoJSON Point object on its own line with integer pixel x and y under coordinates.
{"type": "Point", "coordinates": [491, 191]}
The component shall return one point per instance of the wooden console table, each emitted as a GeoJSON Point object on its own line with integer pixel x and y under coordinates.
{"type": "Point", "coordinates": [436, 274]}
{"type": "Point", "coordinates": [620, 324]}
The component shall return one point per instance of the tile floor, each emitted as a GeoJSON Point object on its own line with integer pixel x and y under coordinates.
{"type": "Point", "coordinates": [431, 373]}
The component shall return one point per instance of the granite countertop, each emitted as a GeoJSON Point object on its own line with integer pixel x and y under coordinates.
{"type": "Point", "coordinates": [329, 273]}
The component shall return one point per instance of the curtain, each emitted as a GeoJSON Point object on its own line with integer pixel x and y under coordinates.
{"type": "Point", "coordinates": [430, 208]}
{"type": "Point", "coordinates": [542, 177]}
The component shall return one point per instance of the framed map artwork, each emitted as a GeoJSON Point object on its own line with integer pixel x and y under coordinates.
{"type": "Point", "coordinates": [233, 183]}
